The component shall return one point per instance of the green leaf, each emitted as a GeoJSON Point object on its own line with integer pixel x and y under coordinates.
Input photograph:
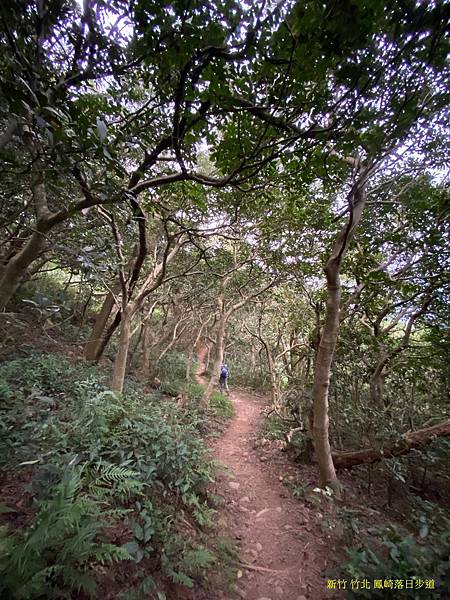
{"type": "Point", "coordinates": [138, 531]}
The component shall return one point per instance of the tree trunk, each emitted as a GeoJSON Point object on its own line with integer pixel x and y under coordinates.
{"type": "Point", "coordinates": [220, 340]}
{"type": "Point", "coordinates": [145, 359]}
{"type": "Point", "coordinates": [17, 266]}
{"type": "Point", "coordinates": [322, 372]}
{"type": "Point", "coordinates": [328, 338]}
{"type": "Point", "coordinates": [208, 358]}
{"type": "Point", "coordinates": [377, 388]}
{"type": "Point", "coordinates": [409, 441]}
{"type": "Point", "coordinates": [193, 350]}
{"type": "Point", "coordinates": [91, 350]}
{"type": "Point", "coordinates": [120, 363]}
{"type": "Point", "coordinates": [274, 393]}
{"type": "Point", "coordinates": [173, 338]}
{"type": "Point", "coordinates": [136, 345]}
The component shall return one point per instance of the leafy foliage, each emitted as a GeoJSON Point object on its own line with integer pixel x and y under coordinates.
{"type": "Point", "coordinates": [403, 557]}
{"type": "Point", "coordinates": [99, 459]}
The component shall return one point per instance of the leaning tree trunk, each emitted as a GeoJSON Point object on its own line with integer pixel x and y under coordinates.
{"type": "Point", "coordinates": [120, 363]}
{"type": "Point", "coordinates": [409, 441]}
{"type": "Point", "coordinates": [100, 336]}
{"type": "Point", "coordinates": [15, 269]}
{"type": "Point", "coordinates": [192, 351]}
{"type": "Point", "coordinates": [145, 357]}
{"type": "Point", "coordinates": [18, 265]}
{"type": "Point", "coordinates": [328, 338]}
{"type": "Point", "coordinates": [91, 350]}
{"type": "Point", "coordinates": [274, 387]}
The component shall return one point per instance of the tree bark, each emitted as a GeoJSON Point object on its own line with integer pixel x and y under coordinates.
{"type": "Point", "coordinates": [17, 266]}
{"type": "Point", "coordinates": [91, 350]}
{"type": "Point", "coordinates": [120, 363]}
{"type": "Point", "coordinates": [409, 441]}
{"type": "Point", "coordinates": [129, 308]}
{"type": "Point", "coordinates": [173, 338]}
{"type": "Point", "coordinates": [273, 377]}
{"type": "Point", "coordinates": [328, 338]}
{"type": "Point", "coordinates": [321, 386]}
{"type": "Point", "coordinates": [377, 388]}
{"type": "Point", "coordinates": [219, 350]}
{"type": "Point", "coordinates": [145, 358]}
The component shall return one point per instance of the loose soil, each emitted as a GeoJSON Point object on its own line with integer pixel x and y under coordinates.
{"type": "Point", "coordinates": [284, 554]}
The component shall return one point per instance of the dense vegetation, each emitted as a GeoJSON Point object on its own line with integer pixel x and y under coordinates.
{"type": "Point", "coordinates": [264, 183]}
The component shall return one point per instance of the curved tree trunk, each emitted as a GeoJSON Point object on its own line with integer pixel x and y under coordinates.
{"type": "Point", "coordinates": [409, 441]}
{"type": "Point", "coordinates": [17, 266]}
{"type": "Point", "coordinates": [328, 338]}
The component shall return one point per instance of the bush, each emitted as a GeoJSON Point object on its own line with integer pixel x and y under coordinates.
{"type": "Point", "coordinates": [141, 458]}
{"type": "Point", "coordinates": [171, 371]}
{"type": "Point", "coordinates": [401, 557]}
{"type": "Point", "coordinates": [274, 428]}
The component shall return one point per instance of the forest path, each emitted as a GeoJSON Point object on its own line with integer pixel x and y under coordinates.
{"type": "Point", "coordinates": [279, 537]}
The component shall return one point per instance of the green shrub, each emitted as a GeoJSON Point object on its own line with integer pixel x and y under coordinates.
{"type": "Point", "coordinates": [132, 453]}
{"type": "Point", "coordinates": [194, 391]}
{"type": "Point", "coordinates": [401, 557]}
{"type": "Point", "coordinates": [49, 296]}
{"type": "Point", "coordinates": [173, 365]}
{"type": "Point", "coordinates": [37, 374]}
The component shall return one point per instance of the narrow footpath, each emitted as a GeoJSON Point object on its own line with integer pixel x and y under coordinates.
{"type": "Point", "coordinates": [283, 550]}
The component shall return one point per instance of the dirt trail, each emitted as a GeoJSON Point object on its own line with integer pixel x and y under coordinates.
{"type": "Point", "coordinates": [279, 537]}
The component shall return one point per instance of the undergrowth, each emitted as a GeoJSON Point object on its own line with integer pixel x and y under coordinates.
{"type": "Point", "coordinates": [273, 428]}
{"type": "Point", "coordinates": [391, 554]}
{"type": "Point", "coordinates": [395, 555]}
{"type": "Point", "coordinates": [96, 461]}
{"type": "Point", "coordinates": [221, 405]}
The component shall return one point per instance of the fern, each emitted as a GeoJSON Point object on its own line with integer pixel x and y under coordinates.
{"type": "Point", "coordinates": [198, 558]}
{"type": "Point", "coordinates": [107, 480]}
{"type": "Point", "coordinates": [57, 552]}
{"type": "Point", "coordinates": [120, 451]}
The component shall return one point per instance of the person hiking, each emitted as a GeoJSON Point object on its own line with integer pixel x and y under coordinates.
{"type": "Point", "coordinates": [223, 379]}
